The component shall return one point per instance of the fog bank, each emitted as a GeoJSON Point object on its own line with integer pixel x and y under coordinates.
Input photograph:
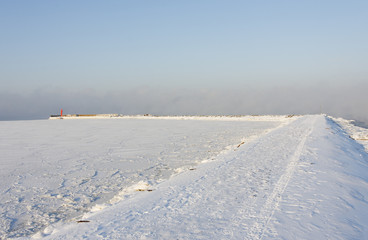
{"type": "Point", "coordinates": [347, 101]}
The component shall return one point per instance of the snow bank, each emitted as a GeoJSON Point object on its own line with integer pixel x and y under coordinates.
{"type": "Point", "coordinates": [357, 133]}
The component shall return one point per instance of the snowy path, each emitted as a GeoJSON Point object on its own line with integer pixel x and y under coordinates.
{"type": "Point", "coordinates": [283, 185]}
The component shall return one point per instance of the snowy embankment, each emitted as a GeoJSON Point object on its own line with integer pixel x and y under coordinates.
{"type": "Point", "coordinates": [301, 179]}
{"type": "Point", "coordinates": [357, 133]}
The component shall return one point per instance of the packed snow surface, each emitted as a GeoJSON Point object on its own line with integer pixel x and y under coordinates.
{"type": "Point", "coordinates": [241, 178]}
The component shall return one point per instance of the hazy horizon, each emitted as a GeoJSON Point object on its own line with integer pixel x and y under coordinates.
{"type": "Point", "coordinates": [340, 101]}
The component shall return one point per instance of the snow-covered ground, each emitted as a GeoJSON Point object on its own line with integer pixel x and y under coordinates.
{"type": "Point", "coordinates": [357, 133]}
{"type": "Point", "coordinates": [266, 178]}
{"type": "Point", "coordinates": [57, 170]}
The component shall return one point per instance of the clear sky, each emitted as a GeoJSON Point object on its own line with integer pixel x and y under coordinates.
{"type": "Point", "coordinates": [201, 46]}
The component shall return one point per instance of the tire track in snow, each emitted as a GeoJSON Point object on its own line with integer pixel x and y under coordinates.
{"type": "Point", "coordinates": [260, 226]}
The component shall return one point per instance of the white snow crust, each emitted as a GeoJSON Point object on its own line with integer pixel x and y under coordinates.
{"type": "Point", "coordinates": [357, 133]}
{"type": "Point", "coordinates": [273, 177]}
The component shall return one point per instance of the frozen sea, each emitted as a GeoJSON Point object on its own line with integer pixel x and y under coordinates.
{"type": "Point", "coordinates": [57, 170]}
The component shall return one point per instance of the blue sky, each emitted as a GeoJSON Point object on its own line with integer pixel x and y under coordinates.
{"type": "Point", "coordinates": [103, 46]}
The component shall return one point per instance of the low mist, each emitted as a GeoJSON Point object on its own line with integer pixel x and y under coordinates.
{"type": "Point", "coordinates": [347, 101]}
